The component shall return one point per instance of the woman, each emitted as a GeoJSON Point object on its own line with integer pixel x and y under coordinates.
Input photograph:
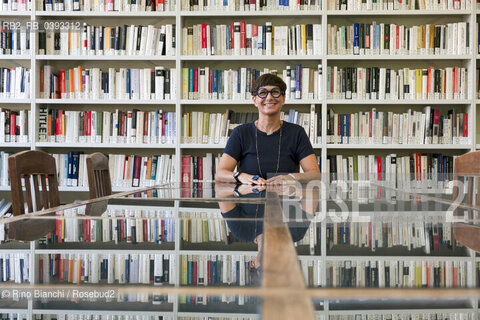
{"type": "Point", "coordinates": [269, 150]}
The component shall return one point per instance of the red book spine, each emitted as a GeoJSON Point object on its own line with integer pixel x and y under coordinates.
{"type": "Point", "coordinates": [89, 226]}
{"type": "Point", "coordinates": [200, 168]}
{"type": "Point", "coordinates": [418, 166]}
{"type": "Point", "coordinates": [210, 81]}
{"type": "Point", "coordinates": [145, 230]}
{"type": "Point", "coordinates": [186, 174]}
{"type": "Point", "coordinates": [243, 35]}
{"type": "Point", "coordinates": [209, 273]}
{"type": "Point", "coordinates": [163, 125]}
{"type": "Point", "coordinates": [254, 30]}
{"type": "Point", "coordinates": [40, 270]}
{"type": "Point", "coordinates": [428, 82]}
{"type": "Point", "coordinates": [12, 126]}
{"type": "Point", "coordinates": [455, 276]}
{"type": "Point", "coordinates": [58, 228]}
{"type": "Point", "coordinates": [379, 168]}
{"type": "Point", "coordinates": [62, 82]}
{"type": "Point", "coordinates": [88, 129]}
{"type": "Point", "coordinates": [145, 124]}
{"type": "Point", "coordinates": [122, 230]}
{"type": "Point", "coordinates": [195, 82]}
{"type": "Point", "coordinates": [455, 80]}
{"type": "Point", "coordinates": [163, 230]}
{"type": "Point", "coordinates": [136, 171]}
{"type": "Point", "coordinates": [194, 272]}
{"type": "Point", "coordinates": [231, 36]}
{"type": "Point", "coordinates": [332, 84]}
{"type": "Point", "coordinates": [397, 44]}
{"type": "Point", "coordinates": [465, 125]}
{"type": "Point", "coordinates": [204, 38]}
{"type": "Point", "coordinates": [61, 269]}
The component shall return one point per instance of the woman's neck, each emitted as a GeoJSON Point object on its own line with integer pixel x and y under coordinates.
{"type": "Point", "coordinates": [268, 124]}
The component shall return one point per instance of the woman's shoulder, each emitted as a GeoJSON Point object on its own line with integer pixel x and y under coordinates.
{"type": "Point", "coordinates": [244, 128]}
{"type": "Point", "coordinates": [292, 126]}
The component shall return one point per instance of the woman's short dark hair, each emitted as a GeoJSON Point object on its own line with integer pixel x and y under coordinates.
{"type": "Point", "coordinates": [267, 79]}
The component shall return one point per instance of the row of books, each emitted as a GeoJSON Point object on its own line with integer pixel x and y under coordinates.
{"type": "Point", "coordinates": [368, 5]}
{"type": "Point", "coordinates": [15, 267]}
{"type": "Point", "coordinates": [215, 269]}
{"type": "Point", "coordinates": [387, 232]}
{"type": "Point", "coordinates": [93, 83]}
{"type": "Point", "coordinates": [5, 212]}
{"type": "Point", "coordinates": [106, 6]}
{"type": "Point", "coordinates": [14, 41]}
{"type": "Point", "coordinates": [15, 83]}
{"type": "Point", "coordinates": [198, 169]}
{"type": "Point", "coordinates": [125, 127]}
{"type": "Point", "coordinates": [16, 6]}
{"type": "Point", "coordinates": [199, 227]}
{"type": "Point", "coordinates": [125, 170]}
{"type": "Point", "coordinates": [86, 39]}
{"type": "Point", "coordinates": [94, 316]}
{"type": "Point", "coordinates": [412, 127]}
{"type": "Point", "coordinates": [251, 5]}
{"type": "Point", "coordinates": [404, 316]}
{"type": "Point", "coordinates": [241, 38]}
{"type": "Point", "coordinates": [420, 170]}
{"type": "Point", "coordinates": [374, 83]}
{"type": "Point", "coordinates": [120, 268]}
{"type": "Point", "coordinates": [14, 125]}
{"type": "Point", "coordinates": [381, 273]}
{"type": "Point", "coordinates": [205, 127]}
{"type": "Point", "coordinates": [391, 39]}
{"type": "Point", "coordinates": [117, 225]}
{"type": "Point", "coordinates": [213, 84]}
{"type": "Point", "coordinates": [4, 178]}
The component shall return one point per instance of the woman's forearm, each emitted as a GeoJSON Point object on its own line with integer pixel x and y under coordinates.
{"type": "Point", "coordinates": [224, 175]}
{"type": "Point", "coordinates": [307, 176]}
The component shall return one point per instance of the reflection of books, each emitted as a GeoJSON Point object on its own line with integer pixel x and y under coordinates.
{"type": "Point", "coordinates": [4, 207]}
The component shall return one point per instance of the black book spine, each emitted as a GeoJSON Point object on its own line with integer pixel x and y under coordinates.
{"type": "Point", "coordinates": [387, 81]}
{"type": "Point", "coordinates": [139, 38]}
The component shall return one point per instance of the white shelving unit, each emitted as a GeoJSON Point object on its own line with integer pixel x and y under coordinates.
{"type": "Point", "coordinates": [181, 18]}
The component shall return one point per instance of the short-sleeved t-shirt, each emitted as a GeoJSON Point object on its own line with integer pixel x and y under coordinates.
{"type": "Point", "coordinates": [294, 147]}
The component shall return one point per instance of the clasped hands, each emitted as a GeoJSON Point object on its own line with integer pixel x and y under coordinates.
{"type": "Point", "coordinates": [246, 178]}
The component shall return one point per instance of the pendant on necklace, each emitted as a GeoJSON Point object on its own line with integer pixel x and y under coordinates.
{"type": "Point", "coordinates": [269, 133]}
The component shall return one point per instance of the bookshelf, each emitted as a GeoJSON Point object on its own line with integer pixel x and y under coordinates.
{"type": "Point", "coordinates": [182, 17]}
{"type": "Point", "coordinates": [322, 106]}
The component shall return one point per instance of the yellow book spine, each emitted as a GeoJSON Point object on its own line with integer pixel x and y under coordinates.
{"type": "Point", "coordinates": [185, 83]}
{"type": "Point", "coordinates": [183, 279]}
{"type": "Point", "coordinates": [304, 37]}
{"type": "Point", "coordinates": [418, 83]}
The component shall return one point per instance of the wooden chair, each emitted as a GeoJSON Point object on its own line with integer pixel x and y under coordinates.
{"type": "Point", "coordinates": [37, 167]}
{"type": "Point", "coordinates": [467, 166]}
{"type": "Point", "coordinates": [99, 181]}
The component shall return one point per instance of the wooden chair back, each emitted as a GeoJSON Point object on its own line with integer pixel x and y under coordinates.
{"type": "Point", "coordinates": [467, 170]}
{"type": "Point", "coordinates": [99, 181]}
{"type": "Point", "coordinates": [39, 174]}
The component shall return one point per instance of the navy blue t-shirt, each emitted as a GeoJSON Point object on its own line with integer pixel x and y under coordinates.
{"type": "Point", "coordinates": [294, 147]}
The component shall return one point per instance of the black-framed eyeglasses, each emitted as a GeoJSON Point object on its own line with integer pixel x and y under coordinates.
{"type": "Point", "coordinates": [275, 92]}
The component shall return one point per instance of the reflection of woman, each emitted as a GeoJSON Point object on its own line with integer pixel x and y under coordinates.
{"type": "Point", "coordinates": [245, 220]}
{"type": "Point", "coordinates": [264, 148]}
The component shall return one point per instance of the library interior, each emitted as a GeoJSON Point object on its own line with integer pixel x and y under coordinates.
{"type": "Point", "coordinates": [239, 159]}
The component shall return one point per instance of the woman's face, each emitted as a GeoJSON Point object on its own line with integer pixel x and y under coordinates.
{"type": "Point", "coordinates": [269, 105]}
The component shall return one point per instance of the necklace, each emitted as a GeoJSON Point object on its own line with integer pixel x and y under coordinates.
{"type": "Point", "coordinates": [268, 132]}
{"type": "Point", "coordinates": [258, 156]}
